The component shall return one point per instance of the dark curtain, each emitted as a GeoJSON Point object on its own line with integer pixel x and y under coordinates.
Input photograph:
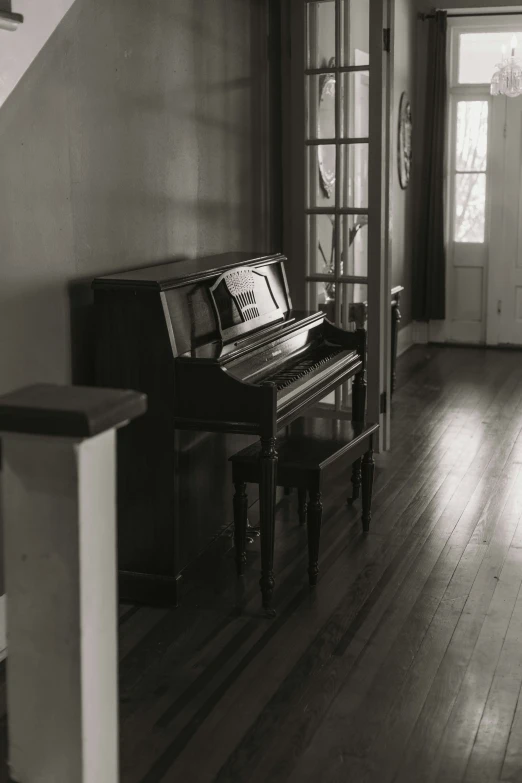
{"type": "Point", "coordinates": [429, 269]}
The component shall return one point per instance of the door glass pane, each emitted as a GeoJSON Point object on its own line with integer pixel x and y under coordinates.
{"type": "Point", "coordinates": [354, 245]}
{"type": "Point", "coordinates": [355, 102]}
{"type": "Point", "coordinates": [355, 32]}
{"type": "Point", "coordinates": [352, 293]}
{"type": "Point", "coordinates": [321, 175]}
{"type": "Point", "coordinates": [472, 135]}
{"type": "Point", "coordinates": [354, 176]}
{"type": "Point", "coordinates": [322, 298]}
{"type": "Point", "coordinates": [321, 33]}
{"type": "Point", "coordinates": [321, 244]}
{"type": "Point", "coordinates": [470, 207]}
{"type": "Point", "coordinates": [479, 54]}
{"type": "Point", "coordinates": [321, 106]}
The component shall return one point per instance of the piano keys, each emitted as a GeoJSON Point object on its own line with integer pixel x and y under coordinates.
{"type": "Point", "coordinates": [217, 347]}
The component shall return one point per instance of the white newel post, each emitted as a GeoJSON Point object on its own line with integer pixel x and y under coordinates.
{"type": "Point", "coordinates": [59, 512]}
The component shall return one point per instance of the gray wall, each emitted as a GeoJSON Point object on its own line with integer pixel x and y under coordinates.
{"type": "Point", "coordinates": [403, 200]}
{"type": "Point", "coordinates": [136, 136]}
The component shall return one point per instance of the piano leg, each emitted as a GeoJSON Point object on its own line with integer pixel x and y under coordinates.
{"type": "Point", "coordinates": [359, 399]}
{"type": "Point", "coordinates": [315, 513]}
{"type": "Point", "coordinates": [301, 495]}
{"type": "Point", "coordinates": [267, 497]}
{"type": "Point", "coordinates": [240, 526]}
{"type": "Point", "coordinates": [368, 468]}
{"type": "Point", "coordinates": [356, 481]}
{"type": "Point", "coordinates": [358, 417]}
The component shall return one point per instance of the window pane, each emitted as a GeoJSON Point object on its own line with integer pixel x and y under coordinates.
{"type": "Point", "coordinates": [355, 101]}
{"type": "Point", "coordinates": [354, 245]}
{"type": "Point", "coordinates": [355, 32]}
{"type": "Point", "coordinates": [321, 106]}
{"type": "Point", "coordinates": [321, 244]}
{"type": "Point", "coordinates": [321, 33]}
{"type": "Point", "coordinates": [322, 297]}
{"type": "Point", "coordinates": [472, 135]}
{"type": "Point", "coordinates": [470, 206]}
{"type": "Point", "coordinates": [479, 53]}
{"type": "Point", "coordinates": [354, 176]}
{"type": "Point", "coordinates": [321, 175]}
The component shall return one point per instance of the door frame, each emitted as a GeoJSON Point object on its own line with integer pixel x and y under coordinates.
{"type": "Point", "coordinates": [442, 331]}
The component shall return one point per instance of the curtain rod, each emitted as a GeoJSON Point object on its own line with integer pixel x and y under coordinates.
{"type": "Point", "coordinates": [422, 17]}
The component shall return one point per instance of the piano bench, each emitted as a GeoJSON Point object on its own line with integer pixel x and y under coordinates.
{"type": "Point", "coordinates": [307, 455]}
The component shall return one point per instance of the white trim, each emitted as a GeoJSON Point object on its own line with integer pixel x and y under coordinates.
{"type": "Point", "coordinates": [404, 339]}
{"type": "Point", "coordinates": [3, 628]}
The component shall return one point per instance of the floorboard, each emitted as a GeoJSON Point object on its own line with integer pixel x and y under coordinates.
{"type": "Point", "coordinates": [404, 664]}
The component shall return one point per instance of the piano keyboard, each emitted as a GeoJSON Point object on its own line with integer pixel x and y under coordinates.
{"type": "Point", "coordinates": [289, 374]}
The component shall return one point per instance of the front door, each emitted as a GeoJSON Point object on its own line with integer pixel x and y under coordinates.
{"type": "Point", "coordinates": [484, 219]}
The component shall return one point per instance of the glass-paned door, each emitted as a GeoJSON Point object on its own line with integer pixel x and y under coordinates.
{"type": "Point", "coordinates": [337, 79]}
{"type": "Point", "coordinates": [339, 176]}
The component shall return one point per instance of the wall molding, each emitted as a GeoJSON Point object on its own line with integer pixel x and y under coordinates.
{"type": "Point", "coordinates": [404, 339]}
{"type": "Point", "coordinates": [3, 628]}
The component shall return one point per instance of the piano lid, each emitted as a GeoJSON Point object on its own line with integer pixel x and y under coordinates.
{"type": "Point", "coordinates": [174, 273]}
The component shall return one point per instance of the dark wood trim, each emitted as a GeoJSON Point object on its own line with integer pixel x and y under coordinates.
{"type": "Point", "coordinates": [148, 589]}
{"type": "Point", "coordinates": [68, 411]}
{"type": "Point", "coordinates": [275, 122]}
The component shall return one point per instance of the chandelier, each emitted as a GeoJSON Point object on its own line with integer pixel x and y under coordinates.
{"type": "Point", "coordinates": [507, 79]}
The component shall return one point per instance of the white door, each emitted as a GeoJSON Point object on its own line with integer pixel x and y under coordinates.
{"type": "Point", "coordinates": [484, 263]}
{"type": "Point", "coordinates": [505, 266]}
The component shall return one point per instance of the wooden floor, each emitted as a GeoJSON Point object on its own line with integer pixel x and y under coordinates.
{"type": "Point", "coordinates": [405, 663]}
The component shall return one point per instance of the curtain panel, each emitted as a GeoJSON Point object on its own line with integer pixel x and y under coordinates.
{"type": "Point", "coordinates": [429, 268]}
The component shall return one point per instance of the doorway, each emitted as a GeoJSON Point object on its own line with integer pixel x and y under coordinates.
{"type": "Point", "coordinates": [484, 204]}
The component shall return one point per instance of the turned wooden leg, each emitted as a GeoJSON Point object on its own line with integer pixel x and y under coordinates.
{"type": "Point", "coordinates": [314, 517]}
{"type": "Point", "coordinates": [301, 501]}
{"type": "Point", "coordinates": [368, 468]}
{"type": "Point", "coordinates": [240, 526]}
{"type": "Point", "coordinates": [267, 497]}
{"type": "Point", "coordinates": [358, 398]}
{"type": "Point", "coordinates": [356, 481]}
{"type": "Point", "coordinates": [395, 321]}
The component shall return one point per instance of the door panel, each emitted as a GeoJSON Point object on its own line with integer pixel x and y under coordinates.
{"type": "Point", "coordinates": [468, 225]}
{"type": "Point", "coordinates": [509, 271]}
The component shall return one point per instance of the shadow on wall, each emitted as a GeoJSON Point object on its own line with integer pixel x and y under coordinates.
{"type": "Point", "coordinates": [83, 327]}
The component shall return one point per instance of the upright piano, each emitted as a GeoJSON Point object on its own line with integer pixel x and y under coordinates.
{"type": "Point", "coordinates": [217, 347]}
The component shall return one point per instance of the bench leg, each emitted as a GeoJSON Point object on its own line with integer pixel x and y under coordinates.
{"type": "Point", "coordinates": [368, 467]}
{"type": "Point", "coordinates": [356, 481]}
{"type": "Point", "coordinates": [240, 526]}
{"type": "Point", "coordinates": [301, 500]}
{"type": "Point", "coordinates": [267, 495]}
{"type": "Point", "coordinates": [315, 513]}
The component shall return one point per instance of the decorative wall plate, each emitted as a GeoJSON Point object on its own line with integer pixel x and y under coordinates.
{"type": "Point", "coordinates": [326, 130]}
{"type": "Point", "coordinates": [404, 141]}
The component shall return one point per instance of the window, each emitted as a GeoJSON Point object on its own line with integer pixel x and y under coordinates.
{"type": "Point", "coordinates": [470, 171]}
{"type": "Point", "coordinates": [479, 53]}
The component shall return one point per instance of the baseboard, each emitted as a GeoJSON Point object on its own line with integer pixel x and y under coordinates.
{"type": "Point", "coordinates": [404, 339]}
{"type": "Point", "coordinates": [3, 630]}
